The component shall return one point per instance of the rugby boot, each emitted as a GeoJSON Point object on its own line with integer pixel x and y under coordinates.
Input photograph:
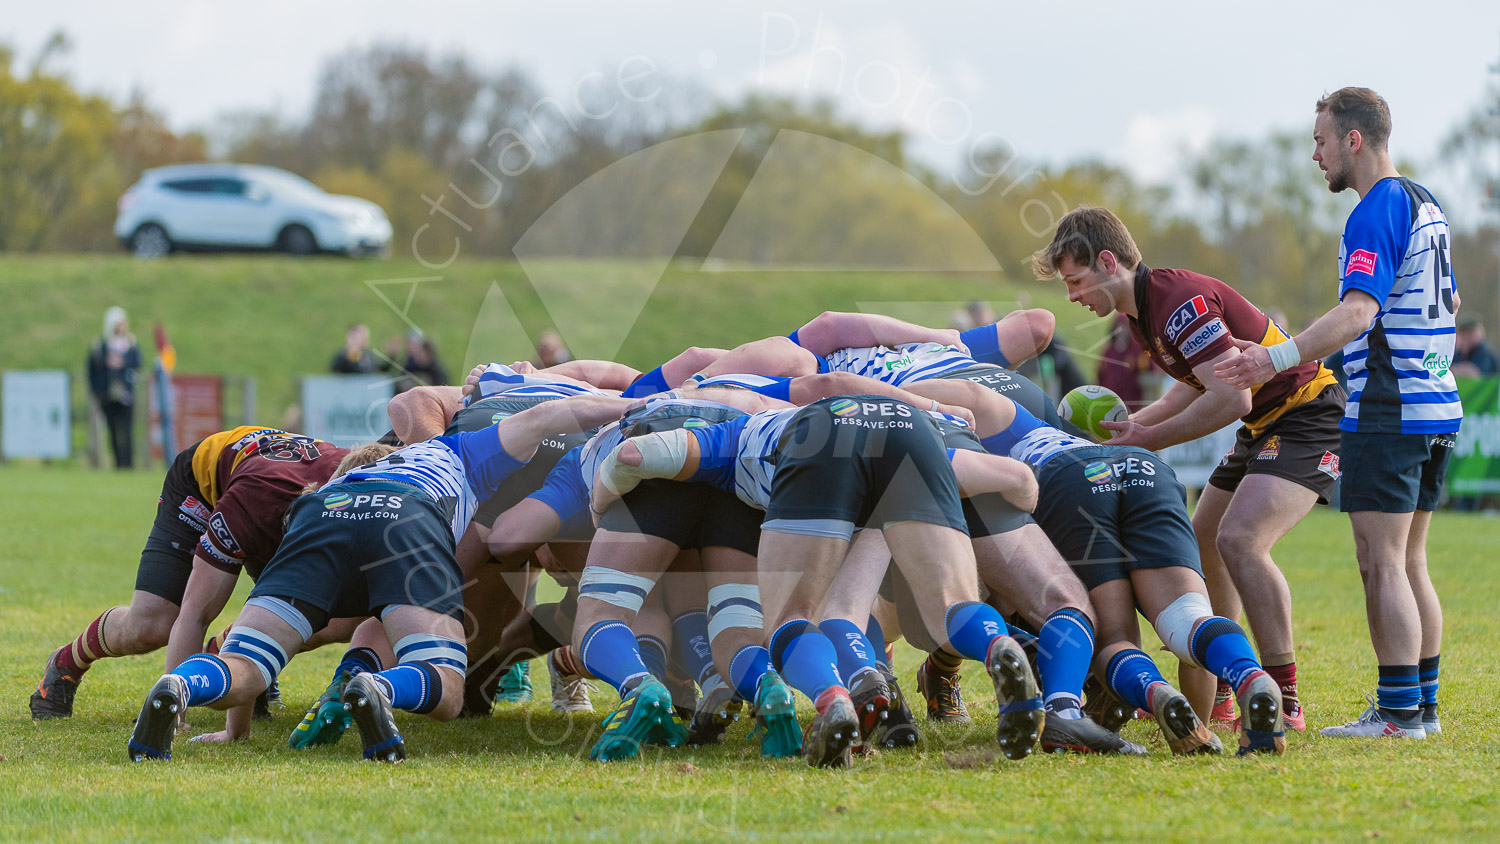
{"type": "Point", "coordinates": [776, 718]}
{"type": "Point", "coordinates": [1102, 706]}
{"type": "Point", "coordinates": [872, 698]}
{"type": "Point", "coordinates": [944, 695]}
{"type": "Point", "coordinates": [157, 723]}
{"type": "Point", "coordinates": [266, 701]}
{"type": "Point", "coordinates": [1084, 735]}
{"type": "Point", "coordinates": [1185, 734]}
{"type": "Point", "coordinates": [899, 729]}
{"type": "Point", "coordinates": [479, 693]}
{"type": "Point", "coordinates": [644, 716]}
{"type": "Point", "coordinates": [1018, 696]}
{"type": "Point", "coordinates": [53, 697]}
{"type": "Point", "coordinates": [684, 693]}
{"type": "Point", "coordinates": [1261, 727]}
{"type": "Point", "coordinates": [515, 684]}
{"type": "Point", "coordinates": [719, 708]}
{"type": "Point", "coordinates": [570, 692]}
{"type": "Point", "coordinates": [1430, 723]}
{"type": "Point", "coordinates": [831, 735]}
{"type": "Point", "coordinates": [371, 712]}
{"type": "Point", "coordinates": [1379, 723]}
{"type": "Point", "coordinates": [326, 720]}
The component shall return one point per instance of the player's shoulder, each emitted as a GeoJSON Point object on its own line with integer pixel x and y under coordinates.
{"type": "Point", "coordinates": [1389, 206]}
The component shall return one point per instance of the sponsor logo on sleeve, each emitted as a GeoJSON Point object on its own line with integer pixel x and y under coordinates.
{"type": "Point", "coordinates": [196, 509]}
{"type": "Point", "coordinates": [220, 530]}
{"type": "Point", "coordinates": [1203, 337]}
{"type": "Point", "coordinates": [212, 552]}
{"type": "Point", "coordinates": [1329, 465]}
{"type": "Point", "coordinates": [1360, 261]}
{"type": "Point", "coordinates": [1184, 316]}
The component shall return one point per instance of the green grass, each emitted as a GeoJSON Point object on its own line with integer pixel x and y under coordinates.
{"type": "Point", "coordinates": [277, 318]}
{"type": "Point", "coordinates": [71, 541]}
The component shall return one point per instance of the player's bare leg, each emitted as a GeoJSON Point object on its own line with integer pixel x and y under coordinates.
{"type": "Point", "coordinates": [1262, 511]}
{"type": "Point", "coordinates": [140, 628]}
{"type": "Point", "coordinates": [1197, 684]}
{"type": "Point", "coordinates": [1431, 612]}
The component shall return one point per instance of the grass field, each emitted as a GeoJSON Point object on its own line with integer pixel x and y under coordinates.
{"type": "Point", "coordinates": [277, 318]}
{"type": "Point", "coordinates": [72, 538]}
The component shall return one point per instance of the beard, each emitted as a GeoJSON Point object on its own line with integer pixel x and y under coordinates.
{"type": "Point", "coordinates": [1338, 176]}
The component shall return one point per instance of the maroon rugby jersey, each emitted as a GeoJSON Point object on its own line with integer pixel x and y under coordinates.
{"type": "Point", "coordinates": [1186, 319]}
{"type": "Point", "coordinates": [250, 476]}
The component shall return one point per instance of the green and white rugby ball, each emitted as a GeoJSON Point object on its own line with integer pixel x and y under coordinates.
{"type": "Point", "coordinates": [1091, 404]}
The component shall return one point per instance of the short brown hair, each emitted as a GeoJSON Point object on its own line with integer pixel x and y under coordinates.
{"type": "Point", "coordinates": [1081, 235]}
{"type": "Point", "coordinates": [1362, 109]}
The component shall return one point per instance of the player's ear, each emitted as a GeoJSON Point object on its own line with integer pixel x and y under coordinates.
{"type": "Point", "coordinates": [1355, 140]}
{"type": "Point", "coordinates": [1107, 262]}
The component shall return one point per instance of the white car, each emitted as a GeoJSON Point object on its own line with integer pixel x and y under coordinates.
{"type": "Point", "coordinates": [244, 207]}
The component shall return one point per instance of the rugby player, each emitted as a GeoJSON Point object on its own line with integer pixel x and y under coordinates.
{"type": "Point", "coordinates": [1119, 516]}
{"type": "Point", "coordinates": [378, 540]}
{"type": "Point", "coordinates": [220, 511]}
{"type": "Point", "coordinates": [1016, 561]}
{"type": "Point", "coordinates": [1285, 456]}
{"type": "Point", "coordinates": [818, 472]}
{"type": "Point", "coordinates": [1395, 325]}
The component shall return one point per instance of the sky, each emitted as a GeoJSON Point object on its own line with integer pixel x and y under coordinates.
{"type": "Point", "coordinates": [1130, 83]}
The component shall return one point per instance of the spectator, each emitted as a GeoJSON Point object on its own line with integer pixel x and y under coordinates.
{"type": "Point", "coordinates": [1472, 356]}
{"type": "Point", "coordinates": [422, 365]}
{"type": "Point", "coordinates": [1054, 369]}
{"type": "Point", "coordinates": [980, 313]}
{"type": "Point", "coordinates": [355, 357]}
{"type": "Point", "coordinates": [550, 350]}
{"type": "Point", "coordinates": [1123, 364]}
{"type": "Point", "coordinates": [114, 360]}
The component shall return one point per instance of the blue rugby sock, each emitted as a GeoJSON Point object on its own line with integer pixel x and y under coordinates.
{"type": "Point", "coordinates": [649, 383]}
{"type": "Point", "coordinates": [1427, 676]}
{"type": "Point", "coordinates": [357, 661]}
{"type": "Point", "coordinates": [690, 642]}
{"type": "Point", "coordinates": [1399, 689]}
{"type": "Point", "coordinates": [972, 626]}
{"type": "Point", "coordinates": [1064, 652]}
{"type": "Point", "coordinates": [411, 686]}
{"type": "Point", "coordinates": [876, 636]}
{"type": "Point", "coordinates": [1219, 645]}
{"type": "Point", "coordinates": [805, 658]}
{"type": "Point", "coordinates": [1130, 676]}
{"type": "Point", "coordinates": [609, 651]}
{"type": "Point", "coordinates": [855, 653]}
{"type": "Point", "coordinates": [207, 678]}
{"type": "Point", "coordinates": [653, 652]}
{"type": "Point", "coordinates": [745, 668]}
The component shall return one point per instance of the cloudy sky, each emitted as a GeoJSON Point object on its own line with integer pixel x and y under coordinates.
{"type": "Point", "coordinates": [1127, 82]}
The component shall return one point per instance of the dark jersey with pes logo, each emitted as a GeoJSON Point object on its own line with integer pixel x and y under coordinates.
{"type": "Point", "coordinates": [248, 477]}
{"type": "Point", "coordinates": [1187, 319]}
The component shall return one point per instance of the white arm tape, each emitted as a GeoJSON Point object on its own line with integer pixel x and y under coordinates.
{"type": "Point", "coordinates": [1284, 355]}
{"type": "Point", "coordinates": [662, 456]}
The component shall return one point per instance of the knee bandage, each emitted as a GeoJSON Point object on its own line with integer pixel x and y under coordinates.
{"type": "Point", "coordinates": [435, 650]}
{"type": "Point", "coordinates": [627, 591]}
{"type": "Point", "coordinates": [663, 455]}
{"type": "Point", "coordinates": [1175, 624]}
{"type": "Point", "coordinates": [261, 650]}
{"type": "Point", "coordinates": [734, 605]}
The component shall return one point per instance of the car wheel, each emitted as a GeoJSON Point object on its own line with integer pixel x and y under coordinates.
{"type": "Point", "coordinates": [297, 240]}
{"type": "Point", "coordinates": [150, 241]}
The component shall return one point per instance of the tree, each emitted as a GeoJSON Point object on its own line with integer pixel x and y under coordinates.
{"type": "Point", "coordinates": [52, 140]}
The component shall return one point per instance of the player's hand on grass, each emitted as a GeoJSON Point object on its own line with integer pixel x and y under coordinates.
{"type": "Point", "coordinates": [220, 737]}
{"type": "Point", "coordinates": [1251, 367]}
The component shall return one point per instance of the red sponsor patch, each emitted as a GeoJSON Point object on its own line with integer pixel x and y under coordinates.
{"type": "Point", "coordinates": [1329, 464]}
{"type": "Point", "coordinates": [1360, 261]}
{"type": "Point", "coordinates": [1184, 315]}
{"type": "Point", "coordinates": [195, 508]}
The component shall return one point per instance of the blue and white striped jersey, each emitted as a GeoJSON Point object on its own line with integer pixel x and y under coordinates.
{"type": "Point", "coordinates": [498, 378]}
{"type": "Point", "coordinates": [1396, 249]}
{"type": "Point", "coordinates": [900, 364]}
{"type": "Point", "coordinates": [1032, 441]}
{"type": "Point", "coordinates": [458, 471]}
{"type": "Point", "coordinates": [740, 455]}
{"type": "Point", "coordinates": [593, 452]}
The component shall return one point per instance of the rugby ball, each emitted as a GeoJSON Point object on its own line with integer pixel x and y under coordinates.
{"type": "Point", "coordinates": [1091, 404]}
